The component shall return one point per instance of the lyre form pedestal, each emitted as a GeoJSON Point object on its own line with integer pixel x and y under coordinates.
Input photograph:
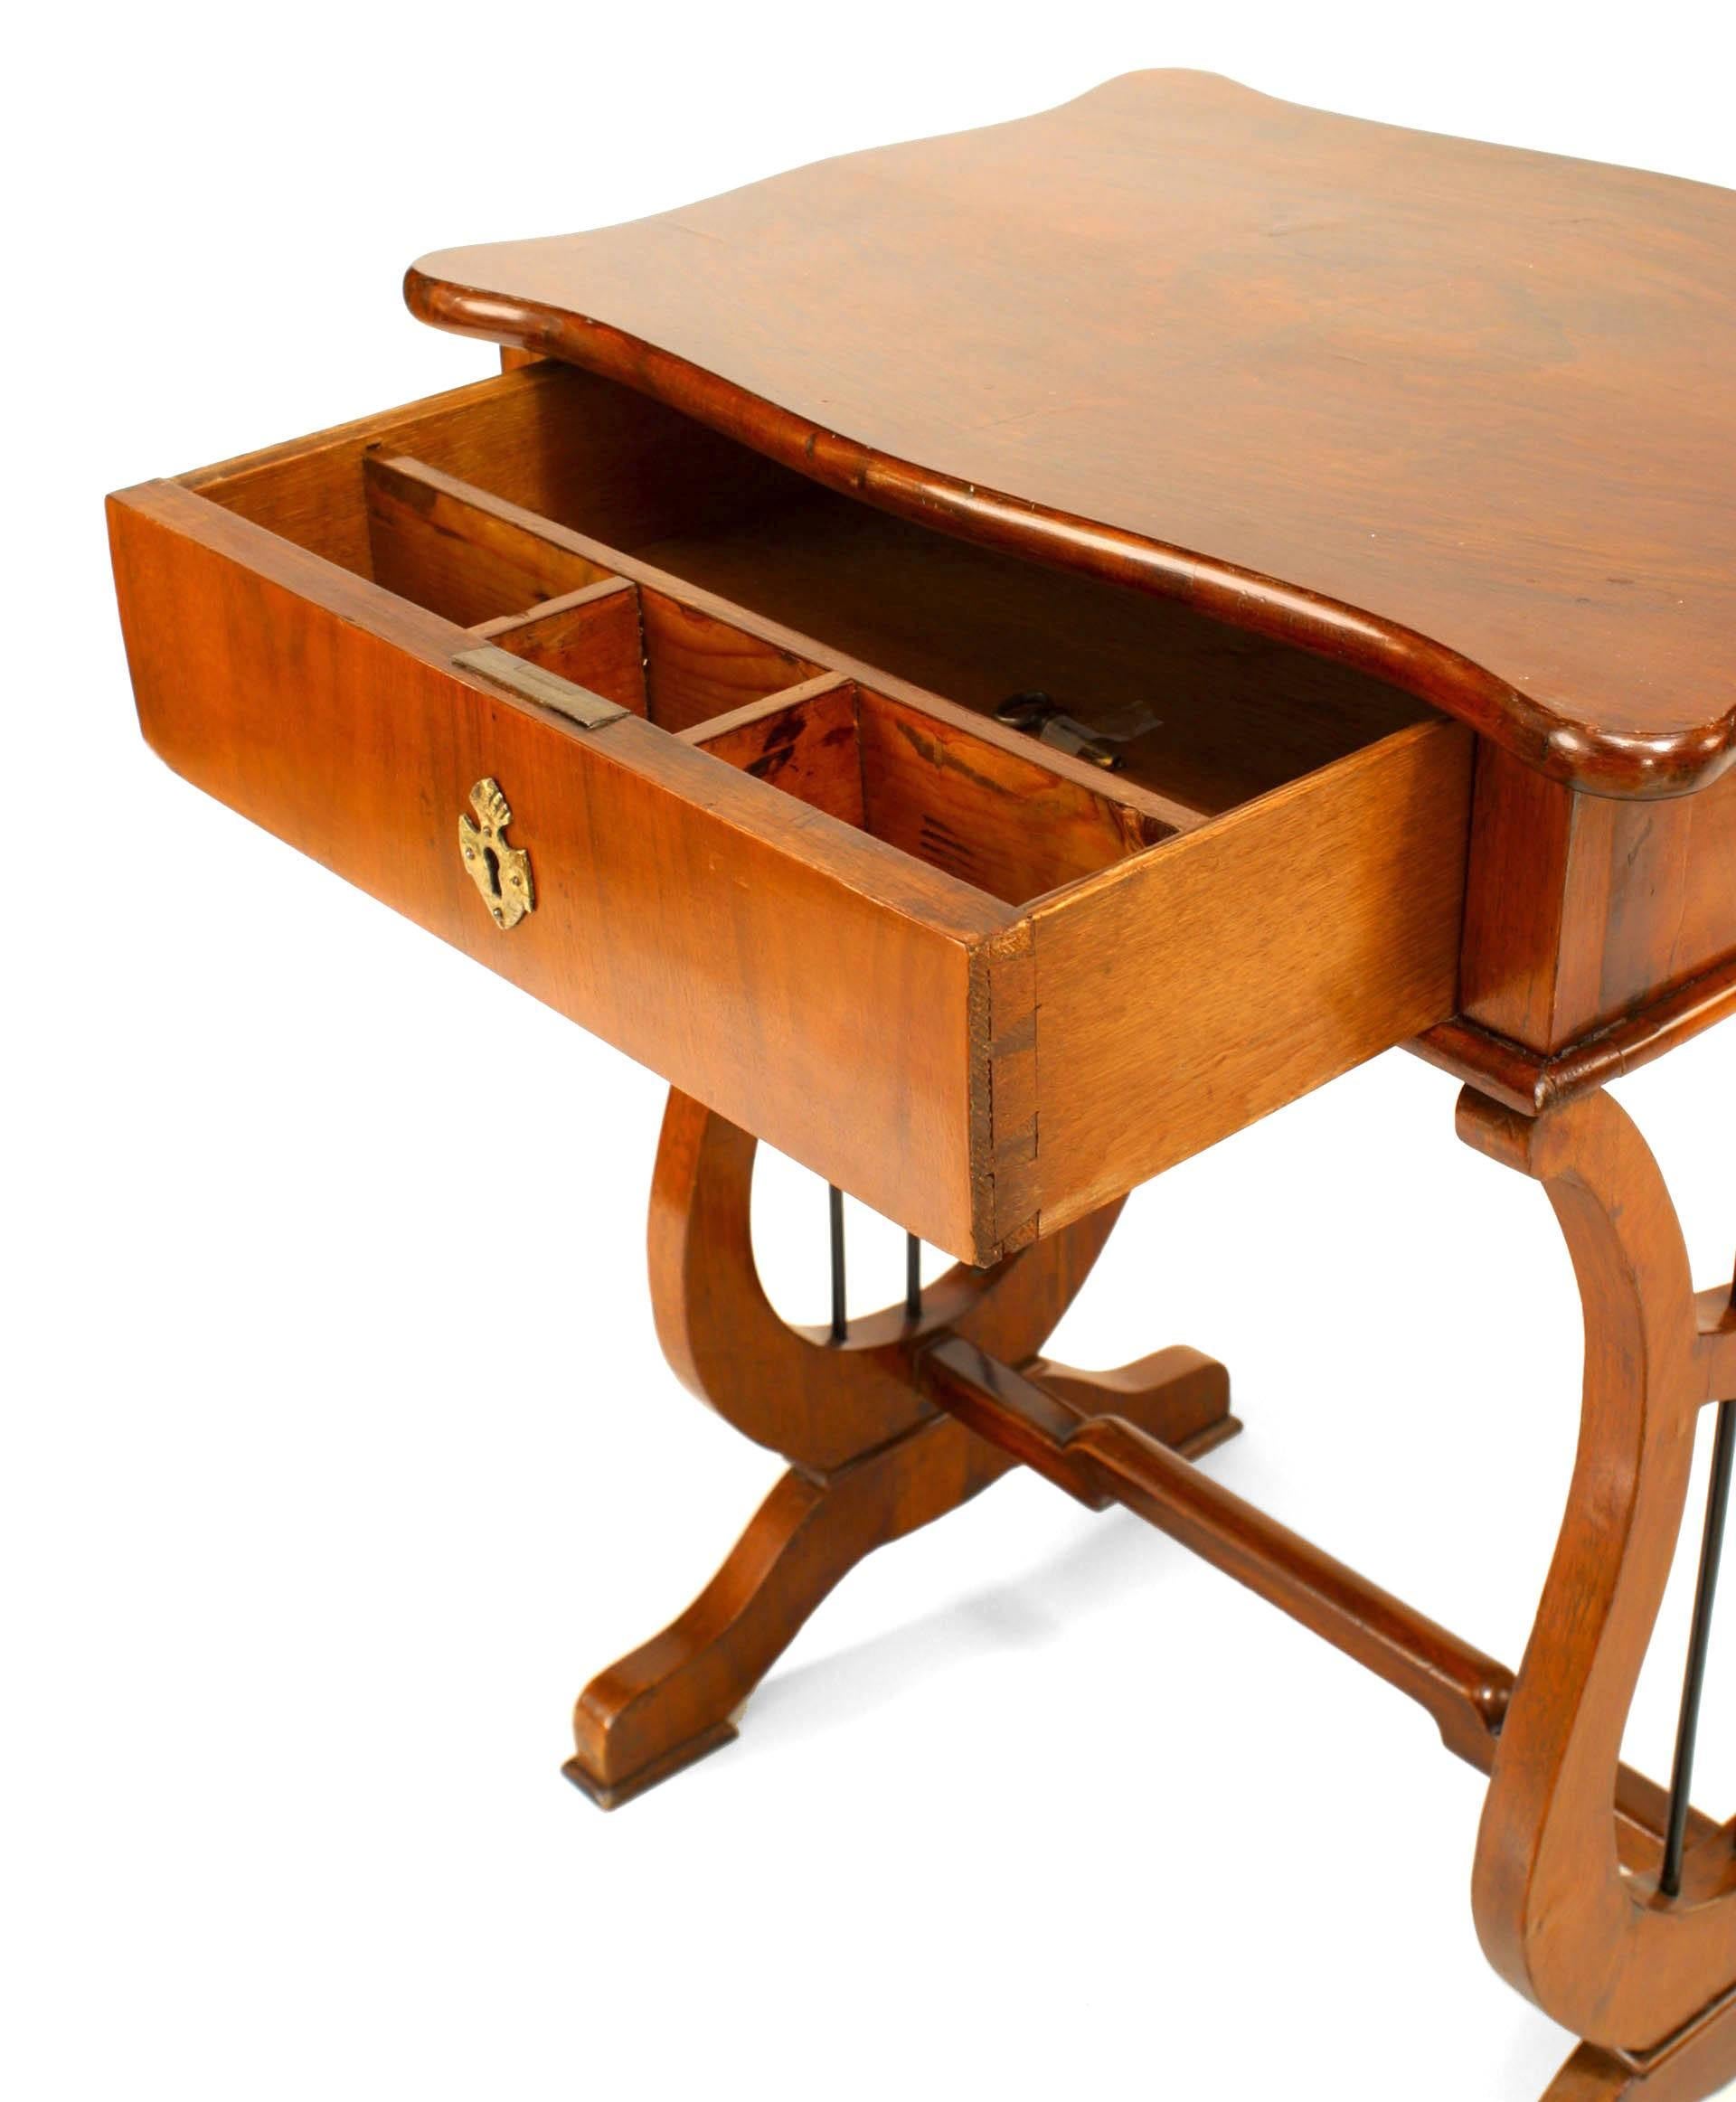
{"type": "Point", "coordinates": [870, 1456]}
{"type": "Point", "coordinates": [889, 1422]}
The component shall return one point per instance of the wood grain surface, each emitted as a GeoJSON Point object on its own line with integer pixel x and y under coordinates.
{"type": "Point", "coordinates": [1245, 963]}
{"type": "Point", "coordinates": [1456, 414]}
{"type": "Point", "coordinates": [1582, 910]}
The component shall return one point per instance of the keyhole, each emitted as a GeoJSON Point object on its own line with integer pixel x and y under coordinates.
{"type": "Point", "coordinates": [490, 861]}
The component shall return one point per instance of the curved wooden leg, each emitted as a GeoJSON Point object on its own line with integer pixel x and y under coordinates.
{"type": "Point", "coordinates": [872, 1460]}
{"type": "Point", "coordinates": [1641, 1975]}
{"type": "Point", "coordinates": [673, 1699]}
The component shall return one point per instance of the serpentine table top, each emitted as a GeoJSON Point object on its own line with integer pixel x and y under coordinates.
{"type": "Point", "coordinates": [1460, 415]}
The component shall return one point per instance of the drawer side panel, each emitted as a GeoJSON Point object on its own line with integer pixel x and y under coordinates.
{"type": "Point", "coordinates": [1240, 965]}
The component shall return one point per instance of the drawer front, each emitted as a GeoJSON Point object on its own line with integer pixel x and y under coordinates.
{"type": "Point", "coordinates": [798, 987]}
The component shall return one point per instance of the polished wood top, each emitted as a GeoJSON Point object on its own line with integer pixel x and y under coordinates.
{"type": "Point", "coordinates": [1463, 416]}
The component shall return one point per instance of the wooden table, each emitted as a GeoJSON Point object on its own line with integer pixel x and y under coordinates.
{"type": "Point", "coordinates": [992, 665]}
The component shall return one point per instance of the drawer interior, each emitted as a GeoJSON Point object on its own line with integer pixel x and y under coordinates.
{"type": "Point", "coordinates": [602, 536]}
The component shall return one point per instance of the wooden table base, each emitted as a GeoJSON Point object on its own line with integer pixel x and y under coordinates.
{"type": "Point", "coordinates": [871, 1457]}
{"type": "Point", "coordinates": [911, 1416]}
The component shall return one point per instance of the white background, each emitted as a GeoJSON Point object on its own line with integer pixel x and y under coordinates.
{"type": "Point", "coordinates": [315, 1517]}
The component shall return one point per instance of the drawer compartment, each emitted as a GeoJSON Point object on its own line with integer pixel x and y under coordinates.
{"type": "Point", "coordinates": [990, 816]}
{"type": "Point", "coordinates": [782, 850]}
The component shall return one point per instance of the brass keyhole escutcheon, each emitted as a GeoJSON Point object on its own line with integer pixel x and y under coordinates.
{"type": "Point", "coordinates": [502, 873]}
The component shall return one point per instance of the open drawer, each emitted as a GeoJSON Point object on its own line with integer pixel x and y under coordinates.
{"type": "Point", "coordinates": [780, 847]}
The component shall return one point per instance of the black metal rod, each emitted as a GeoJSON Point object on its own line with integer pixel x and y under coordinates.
{"type": "Point", "coordinates": [840, 1312]}
{"type": "Point", "coordinates": [1712, 1548]}
{"type": "Point", "coordinates": [912, 1277]}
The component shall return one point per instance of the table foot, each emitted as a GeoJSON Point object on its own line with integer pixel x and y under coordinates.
{"type": "Point", "coordinates": [673, 1699]}
{"type": "Point", "coordinates": [610, 1795]}
{"type": "Point", "coordinates": [1699, 2063]}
